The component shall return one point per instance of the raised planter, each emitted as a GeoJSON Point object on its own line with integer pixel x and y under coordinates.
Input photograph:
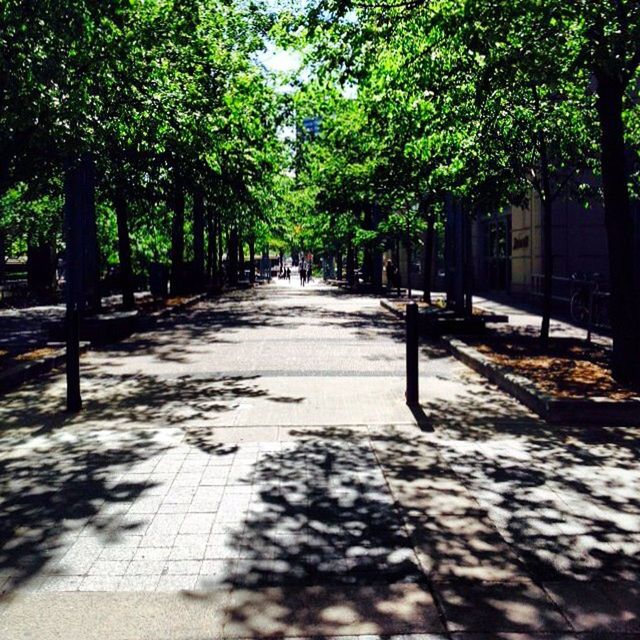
{"type": "Point", "coordinates": [587, 411]}
{"type": "Point", "coordinates": [100, 329]}
{"type": "Point", "coordinates": [17, 374]}
{"type": "Point", "coordinates": [96, 330]}
{"type": "Point", "coordinates": [438, 322]}
{"type": "Point", "coordinates": [161, 313]}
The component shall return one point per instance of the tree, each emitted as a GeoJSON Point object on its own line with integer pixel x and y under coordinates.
{"type": "Point", "coordinates": [165, 97]}
{"type": "Point", "coordinates": [610, 40]}
{"type": "Point", "coordinates": [535, 117]}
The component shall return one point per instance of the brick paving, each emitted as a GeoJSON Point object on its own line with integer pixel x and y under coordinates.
{"type": "Point", "coordinates": [249, 469]}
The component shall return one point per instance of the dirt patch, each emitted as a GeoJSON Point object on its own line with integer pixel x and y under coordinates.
{"type": "Point", "coordinates": [569, 368]}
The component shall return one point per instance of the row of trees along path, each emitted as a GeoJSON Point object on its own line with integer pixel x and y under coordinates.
{"type": "Point", "coordinates": [133, 113]}
{"type": "Point", "coordinates": [485, 102]}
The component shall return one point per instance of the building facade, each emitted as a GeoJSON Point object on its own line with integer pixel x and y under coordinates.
{"type": "Point", "coordinates": [508, 247]}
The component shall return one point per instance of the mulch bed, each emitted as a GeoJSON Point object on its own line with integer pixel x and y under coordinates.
{"type": "Point", "coordinates": [568, 369]}
{"type": "Point", "coordinates": [436, 305]}
{"type": "Point", "coordinates": [8, 358]}
{"type": "Point", "coordinates": [149, 304]}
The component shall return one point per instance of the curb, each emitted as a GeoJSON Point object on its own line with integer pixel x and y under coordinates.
{"type": "Point", "coordinates": [385, 304]}
{"type": "Point", "coordinates": [594, 412]}
{"type": "Point", "coordinates": [18, 374]}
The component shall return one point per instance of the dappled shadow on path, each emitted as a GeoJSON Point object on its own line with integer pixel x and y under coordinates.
{"type": "Point", "coordinates": [564, 498]}
{"type": "Point", "coordinates": [348, 532]}
{"type": "Point", "coordinates": [127, 400]}
{"type": "Point", "coordinates": [322, 545]}
{"type": "Point", "coordinates": [177, 338]}
{"type": "Point", "coordinates": [320, 512]}
{"type": "Point", "coordinates": [52, 491]}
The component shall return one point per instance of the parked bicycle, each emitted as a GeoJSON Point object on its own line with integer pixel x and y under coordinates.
{"type": "Point", "coordinates": [589, 304]}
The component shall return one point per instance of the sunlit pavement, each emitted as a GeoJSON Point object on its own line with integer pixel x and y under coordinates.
{"type": "Point", "coordinates": [249, 469]}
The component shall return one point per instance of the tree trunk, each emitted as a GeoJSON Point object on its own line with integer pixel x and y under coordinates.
{"type": "Point", "coordinates": [377, 263]}
{"type": "Point", "coordinates": [41, 267]}
{"type": "Point", "coordinates": [232, 257]}
{"type": "Point", "coordinates": [198, 238]}
{"type": "Point", "coordinates": [409, 249]}
{"type": "Point", "coordinates": [124, 252]}
{"type": "Point", "coordinates": [208, 267]}
{"type": "Point", "coordinates": [546, 199]}
{"type": "Point", "coordinates": [427, 274]}
{"type": "Point", "coordinates": [4, 185]}
{"type": "Point", "coordinates": [212, 250]}
{"type": "Point", "coordinates": [350, 264]}
{"type": "Point", "coordinates": [252, 261]}
{"type": "Point", "coordinates": [467, 261]}
{"type": "Point", "coordinates": [3, 253]}
{"type": "Point", "coordinates": [219, 233]}
{"type": "Point", "coordinates": [367, 262]}
{"type": "Point", "coordinates": [625, 285]}
{"type": "Point", "coordinates": [240, 257]}
{"type": "Point", "coordinates": [339, 264]}
{"type": "Point", "coordinates": [177, 238]}
{"type": "Point", "coordinates": [547, 271]}
{"type": "Point", "coordinates": [397, 269]}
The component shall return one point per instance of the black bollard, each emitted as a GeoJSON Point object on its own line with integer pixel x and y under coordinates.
{"type": "Point", "coordinates": [74, 400]}
{"type": "Point", "coordinates": [412, 393]}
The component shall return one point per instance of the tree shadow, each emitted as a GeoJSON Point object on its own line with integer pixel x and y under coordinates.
{"type": "Point", "coordinates": [319, 531]}
{"type": "Point", "coordinates": [52, 492]}
{"type": "Point", "coordinates": [563, 498]}
{"type": "Point", "coordinates": [346, 532]}
{"type": "Point", "coordinates": [125, 400]}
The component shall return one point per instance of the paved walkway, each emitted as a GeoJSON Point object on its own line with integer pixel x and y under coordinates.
{"type": "Point", "coordinates": [249, 469]}
{"type": "Point", "coordinates": [527, 318]}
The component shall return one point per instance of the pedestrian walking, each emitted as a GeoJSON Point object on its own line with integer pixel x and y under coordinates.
{"type": "Point", "coordinates": [288, 274]}
{"type": "Point", "coordinates": [392, 274]}
{"type": "Point", "coordinates": [303, 275]}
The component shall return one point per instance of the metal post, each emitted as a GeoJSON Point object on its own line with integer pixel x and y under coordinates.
{"type": "Point", "coordinates": [74, 400]}
{"type": "Point", "coordinates": [412, 394]}
{"type": "Point", "coordinates": [590, 316]}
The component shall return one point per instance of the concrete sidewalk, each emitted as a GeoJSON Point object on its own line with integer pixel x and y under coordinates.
{"type": "Point", "coordinates": [250, 469]}
{"type": "Point", "coordinates": [526, 317]}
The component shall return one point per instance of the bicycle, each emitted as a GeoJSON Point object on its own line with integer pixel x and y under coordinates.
{"type": "Point", "coordinates": [589, 304]}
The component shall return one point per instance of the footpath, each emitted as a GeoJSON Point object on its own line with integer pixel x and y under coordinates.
{"type": "Point", "coordinates": [249, 469]}
{"type": "Point", "coordinates": [527, 318]}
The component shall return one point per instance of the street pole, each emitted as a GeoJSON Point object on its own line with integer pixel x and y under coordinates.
{"type": "Point", "coordinates": [409, 259]}
{"type": "Point", "coordinates": [412, 393]}
{"type": "Point", "coordinates": [81, 264]}
{"type": "Point", "coordinates": [74, 399]}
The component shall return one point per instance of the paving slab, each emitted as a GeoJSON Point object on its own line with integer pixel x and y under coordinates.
{"type": "Point", "coordinates": [599, 606]}
{"type": "Point", "coordinates": [117, 616]}
{"type": "Point", "coordinates": [515, 636]}
{"type": "Point", "coordinates": [326, 611]}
